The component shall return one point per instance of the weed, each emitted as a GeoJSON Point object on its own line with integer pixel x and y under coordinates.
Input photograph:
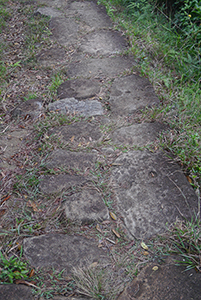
{"type": "Point", "coordinates": [12, 268]}
{"type": "Point", "coordinates": [97, 282]}
{"type": "Point", "coordinates": [184, 239]}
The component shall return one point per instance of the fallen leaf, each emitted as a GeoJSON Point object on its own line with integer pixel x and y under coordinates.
{"type": "Point", "coordinates": [72, 139]}
{"type": "Point", "coordinates": [5, 199]}
{"type": "Point", "coordinates": [93, 265]}
{"type": "Point", "coordinates": [32, 273]}
{"type": "Point", "coordinates": [33, 205]}
{"type": "Point", "coordinates": [98, 228]}
{"type": "Point", "coordinates": [116, 233]}
{"type": "Point", "coordinates": [113, 216]}
{"type": "Point", "coordinates": [144, 246]}
{"type": "Point", "coordinates": [155, 268]}
{"type": "Point", "coordinates": [2, 211]}
{"type": "Point", "coordinates": [145, 253]}
{"type": "Point", "coordinates": [189, 179]}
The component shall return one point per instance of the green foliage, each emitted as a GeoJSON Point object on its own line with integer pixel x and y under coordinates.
{"type": "Point", "coordinates": [12, 269]}
{"type": "Point", "coordinates": [185, 239]}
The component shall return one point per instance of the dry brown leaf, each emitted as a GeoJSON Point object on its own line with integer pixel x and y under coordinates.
{"type": "Point", "coordinates": [113, 216]}
{"type": "Point", "coordinates": [145, 253]}
{"type": "Point", "coordinates": [116, 233]}
{"type": "Point", "coordinates": [144, 246]}
{"type": "Point", "coordinates": [72, 139]}
{"type": "Point", "coordinates": [98, 228]}
{"type": "Point", "coordinates": [32, 273]}
{"type": "Point", "coordinates": [33, 205]}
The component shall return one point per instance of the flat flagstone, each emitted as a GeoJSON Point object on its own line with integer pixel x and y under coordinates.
{"type": "Point", "coordinates": [56, 183]}
{"type": "Point", "coordinates": [62, 251]}
{"type": "Point", "coordinates": [92, 14]}
{"type": "Point", "coordinates": [82, 131]}
{"type": "Point", "coordinates": [78, 88]}
{"type": "Point", "coordinates": [15, 292]}
{"type": "Point", "coordinates": [74, 160]}
{"type": "Point", "coordinates": [100, 67]}
{"type": "Point", "coordinates": [32, 108]}
{"type": "Point", "coordinates": [103, 42]}
{"type": "Point", "coordinates": [152, 192]}
{"type": "Point", "coordinates": [85, 108]}
{"type": "Point", "coordinates": [131, 93]}
{"type": "Point", "coordinates": [167, 282]}
{"type": "Point", "coordinates": [137, 134]}
{"type": "Point", "coordinates": [49, 11]}
{"type": "Point", "coordinates": [51, 56]}
{"type": "Point", "coordinates": [64, 30]}
{"type": "Point", "coordinates": [85, 207]}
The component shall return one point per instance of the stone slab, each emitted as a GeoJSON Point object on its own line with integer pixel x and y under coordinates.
{"type": "Point", "coordinates": [78, 89]}
{"type": "Point", "coordinates": [80, 132]}
{"type": "Point", "coordinates": [103, 42]}
{"type": "Point", "coordinates": [32, 108]}
{"type": "Point", "coordinates": [93, 15]}
{"type": "Point", "coordinates": [11, 143]}
{"type": "Point", "coordinates": [168, 282]}
{"type": "Point", "coordinates": [51, 56]}
{"type": "Point", "coordinates": [54, 184]}
{"type": "Point", "coordinates": [15, 292]}
{"type": "Point", "coordinates": [100, 67]}
{"type": "Point", "coordinates": [53, 3]}
{"type": "Point", "coordinates": [151, 192]}
{"type": "Point", "coordinates": [64, 30]}
{"type": "Point", "coordinates": [73, 160]}
{"type": "Point", "coordinates": [49, 11]}
{"type": "Point", "coordinates": [86, 207]}
{"type": "Point", "coordinates": [137, 134]}
{"type": "Point", "coordinates": [85, 108]}
{"type": "Point", "coordinates": [62, 251]}
{"type": "Point", "coordinates": [131, 93]}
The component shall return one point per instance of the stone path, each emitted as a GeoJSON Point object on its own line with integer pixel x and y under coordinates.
{"type": "Point", "coordinates": [148, 189]}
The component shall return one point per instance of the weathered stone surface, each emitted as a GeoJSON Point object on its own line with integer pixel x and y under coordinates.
{"type": "Point", "coordinates": [54, 184]}
{"type": "Point", "coordinates": [100, 67]}
{"type": "Point", "coordinates": [93, 15]}
{"type": "Point", "coordinates": [51, 56]}
{"type": "Point", "coordinates": [168, 282]}
{"type": "Point", "coordinates": [74, 160]}
{"type": "Point", "coordinates": [15, 292]}
{"type": "Point", "coordinates": [78, 89]}
{"type": "Point", "coordinates": [85, 108]}
{"type": "Point", "coordinates": [11, 143]}
{"type": "Point", "coordinates": [85, 207]}
{"type": "Point", "coordinates": [131, 93]}
{"type": "Point", "coordinates": [137, 134]}
{"type": "Point", "coordinates": [53, 3]}
{"type": "Point", "coordinates": [80, 132]}
{"type": "Point", "coordinates": [49, 11]}
{"type": "Point", "coordinates": [32, 108]}
{"type": "Point", "coordinates": [103, 42]}
{"type": "Point", "coordinates": [64, 30]}
{"type": "Point", "coordinates": [151, 192]}
{"type": "Point", "coordinates": [62, 251]}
